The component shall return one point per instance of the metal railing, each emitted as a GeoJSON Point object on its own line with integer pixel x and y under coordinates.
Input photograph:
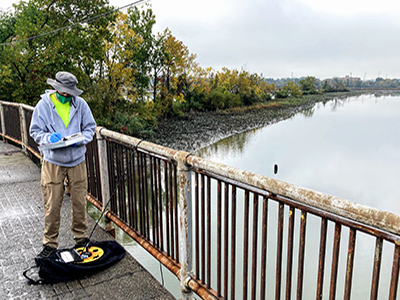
{"type": "Point", "coordinates": [228, 233]}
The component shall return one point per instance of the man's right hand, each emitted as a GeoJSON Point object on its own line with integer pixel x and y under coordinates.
{"type": "Point", "coordinates": [55, 137]}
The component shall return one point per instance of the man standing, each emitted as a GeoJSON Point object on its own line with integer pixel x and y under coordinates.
{"type": "Point", "coordinates": [60, 113]}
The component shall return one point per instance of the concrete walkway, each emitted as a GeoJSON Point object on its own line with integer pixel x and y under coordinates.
{"type": "Point", "coordinates": [21, 228]}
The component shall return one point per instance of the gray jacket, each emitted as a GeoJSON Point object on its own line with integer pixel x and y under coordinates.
{"type": "Point", "coordinates": [45, 121]}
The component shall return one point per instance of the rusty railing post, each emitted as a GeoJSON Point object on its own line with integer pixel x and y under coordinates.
{"type": "Point", "coordinates": [3, 121]}
{"type": "Point", "coordinates": [185, 229]}
{"type": "Point", "coordinates": [105, 186]}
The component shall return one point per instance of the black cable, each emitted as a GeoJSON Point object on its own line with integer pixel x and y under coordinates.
{"type": "Point", "coordinates": [137, 145]}
{"type": "Point", "coordinates": [187, 156]}
{"type": "Point", "coordinates": [115, 189]}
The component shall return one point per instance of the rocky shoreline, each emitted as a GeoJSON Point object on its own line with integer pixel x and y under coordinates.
{"type": "Point", "coordinates": [201, 129]}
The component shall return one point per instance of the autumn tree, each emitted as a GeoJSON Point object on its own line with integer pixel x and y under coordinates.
{"type": "Point", "coordinates": [117, 77]}
{"type": "Point", "coordinates": [194, 85]}
{"type": "Point", "coordinates": [120, 97]}
{"type": "Point", "coordinates": [260, 90]}
{"type": "Point", "coordinates": [267, 90]}
{"type": "Point", "coordinates": [251, 88]}
{"type": "Point", "coordinates": [179, 76]}
{"type": "Point", "coordinates": [289, 89]}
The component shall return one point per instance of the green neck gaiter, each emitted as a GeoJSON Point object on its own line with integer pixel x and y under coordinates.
{"type": "Point", "coordinates": [63, 99]}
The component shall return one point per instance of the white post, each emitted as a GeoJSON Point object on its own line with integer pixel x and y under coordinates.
{"type": "Point", "coordinates": [24, 132]}
{"type": "Point", "coordinates": [3, 121]}
{"type": "Point", "coordinates": [185, 230]}
{"type": "Point", "coordinates": [105, 186]}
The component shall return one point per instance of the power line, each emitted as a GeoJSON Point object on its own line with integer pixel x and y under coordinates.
{"type": "Point", "coordinates": [76, 24]}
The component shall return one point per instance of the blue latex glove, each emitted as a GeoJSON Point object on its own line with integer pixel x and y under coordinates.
{"type": "Point", "coordinates": [74, 145]}
{"type": "Point", "coordinates": [55, 137]}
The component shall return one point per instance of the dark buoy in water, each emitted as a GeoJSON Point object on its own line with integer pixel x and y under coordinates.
{"type": "Point", "coordinates": [275, 169]}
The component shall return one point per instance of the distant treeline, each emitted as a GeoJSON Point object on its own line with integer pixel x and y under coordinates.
{"type": "Point", "coordinates": [132, 77]}
{"type": "Point", "coordinates": [342, 82]}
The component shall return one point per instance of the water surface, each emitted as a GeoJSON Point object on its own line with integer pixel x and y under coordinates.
{"type": "Point", "coordinates": [347, 148]}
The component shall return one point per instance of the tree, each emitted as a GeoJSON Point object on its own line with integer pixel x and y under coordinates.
{"type": "Point", "coordinates": [157, 63]}
{"type": "Point", "coordinates": [338, 85]}
{"type": "Point", "coordinates": [7, 29]}
{"type": "Point", "coordinates": [111, 88]}
{"type": "Point", "coordinates": [178, 76]}
{"type": "Point", "coordinates": [118, 69]}
{"type": "Point", "coordinates": [234, 82]}
{"type": "Point", "coordinates": [139, 60]}
{"type": "Point", "coordinates": [289, 89]}
{"type": "Point", "coordinates": [308, 85]}
{"type": "Point", "coordinates": [261, 89]}
{"type": "Point", "coordinates": [7, 25]}
{"type": "Point", "coordinates": [119, 99]}
{"type": "Point", "coordinates": [49, 36]}
{"type": "Point", "coordinates": [326, 88]}
{"type": "Point", "coordinates": [267, 90]}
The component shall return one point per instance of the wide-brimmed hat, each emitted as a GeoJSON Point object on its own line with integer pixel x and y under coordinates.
{"type": "Point", "coordinates": [65, 83]}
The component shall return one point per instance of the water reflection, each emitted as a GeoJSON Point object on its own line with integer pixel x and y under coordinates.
{"type": "Point", "coordinates": [308, 113]}
{"type": "Point", "coordinates": [232, 146]}
{"type": "Point", "coordinates": [345, 147]}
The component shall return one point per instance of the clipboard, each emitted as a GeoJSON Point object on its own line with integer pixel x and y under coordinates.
{"type": "Point", "coordinates": [65, 142]}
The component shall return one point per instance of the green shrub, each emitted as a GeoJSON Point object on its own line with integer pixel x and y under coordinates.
{"type": "Point", "coordinates": [232, 100]}
{"type": "Point", "coordinates": [217, 100]}
{"type": "Point", "coordinates": [282, 94]}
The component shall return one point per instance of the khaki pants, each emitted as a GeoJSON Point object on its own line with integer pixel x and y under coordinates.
{"type": "Point", "coordinates": [52, 183]}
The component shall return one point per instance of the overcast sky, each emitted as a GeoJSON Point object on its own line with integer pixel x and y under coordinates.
{"type": "Point", "coordinates": [285, 38]}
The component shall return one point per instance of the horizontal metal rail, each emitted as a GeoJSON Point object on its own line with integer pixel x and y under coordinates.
{"type": "Point", "coordinates": [227, 233]}
{"type": "Point", "coordinates": [381, 219]}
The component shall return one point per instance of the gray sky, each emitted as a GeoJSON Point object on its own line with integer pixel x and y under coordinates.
{"type": "Point", "coordinates": [281, 38]}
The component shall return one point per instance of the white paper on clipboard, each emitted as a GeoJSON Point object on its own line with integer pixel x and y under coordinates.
{"type": "Point", "coordinates": [65, 142]}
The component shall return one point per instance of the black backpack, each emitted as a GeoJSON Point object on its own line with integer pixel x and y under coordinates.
{"type": "Point", "coordinates": [52, 269]}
